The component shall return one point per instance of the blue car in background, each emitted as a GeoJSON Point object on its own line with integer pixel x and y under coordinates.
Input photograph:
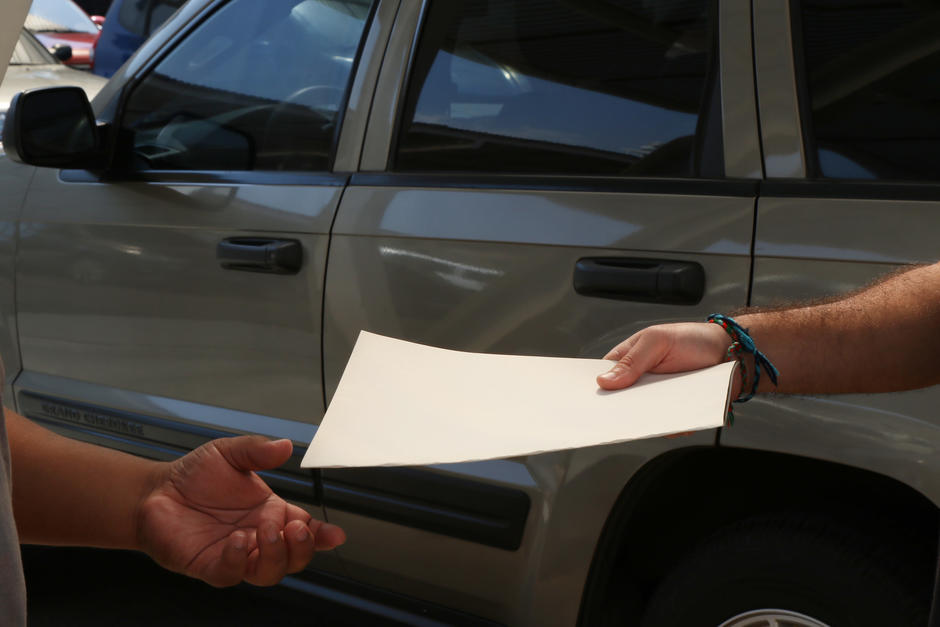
{"type": "Point", "coordinates": [127, 25]}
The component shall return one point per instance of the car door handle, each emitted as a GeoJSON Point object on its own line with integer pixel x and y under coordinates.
{"type": "Point", "coordinates": [259, 254]}
{"type": "Point", "coordinates": [642, 280]}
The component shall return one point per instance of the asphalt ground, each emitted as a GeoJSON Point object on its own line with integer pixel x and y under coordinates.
{"type": "Point", "coordinates": [92, 587]}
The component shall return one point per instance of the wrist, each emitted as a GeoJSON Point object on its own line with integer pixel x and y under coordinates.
{"type": "Point", "coordinates": [154, 476]}
{"type": "Point", "coordinates": [752, 362]}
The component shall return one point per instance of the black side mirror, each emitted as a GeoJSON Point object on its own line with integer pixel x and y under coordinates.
{"type": "Point", "coordinates": [52, 127]}
{"type": "Point", "coordinates": [62, 52]}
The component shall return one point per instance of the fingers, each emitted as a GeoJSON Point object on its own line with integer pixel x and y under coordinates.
{"type": "Point", "coordinates": [327, 536]}
{"type": "Point", "coordinates": [621, 349]}
{"type": "Point", "coordinates": [230, 569]}
{"type": "Point", "coordinates": [301, 545]}
{"type": "Point", "coordinates": [288, 550]}
{"type": "Point", "coordinates": [270, 565]}
{"type": "Point", "coordinates": [637, 355]}
{"type": "Point", "coordinates": [254, 452]}
{"type": "Point", "coordinates": [264, 556]}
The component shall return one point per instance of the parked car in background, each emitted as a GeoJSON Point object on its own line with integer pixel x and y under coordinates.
{"type": "Point", "coordinates": [504, 176]}
{"type": "Point", "coordinates": [127, 25]}
{"type": "Point", "coordinates": [58, 23]}
{"type": "Point", "coordinates": [96, 9]}
{"type": "Point", "coordinates": [32, 66]}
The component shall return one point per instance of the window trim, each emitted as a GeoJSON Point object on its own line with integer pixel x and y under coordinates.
{"type": "Point", "coordinates": [209, 177]}
{"type": "Point", "coordinates": [803, 99]}
{"type": "Point", "coordinates": [743, 188]}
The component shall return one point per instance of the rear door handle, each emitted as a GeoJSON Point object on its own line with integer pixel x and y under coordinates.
{"type": "Point", "coordinates": [642, 280]}
{"type": "Point", "coordinates": [260, 254]}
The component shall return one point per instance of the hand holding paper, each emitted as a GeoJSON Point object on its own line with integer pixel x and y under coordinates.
{"type": "Point", "coordinates": [442, 406]}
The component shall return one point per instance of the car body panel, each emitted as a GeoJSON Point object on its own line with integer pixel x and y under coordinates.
{"type": "Point", "coordinates": [816, 239]}
{"type": "Point", "coordinates": [400, 257]}
{"type": "Point", "coordinates": [14, 180]}
{"type": "Point", "coordinates": [844, 244]}
{"type": "Point", "coordinates": [486, 264]}
{"type": "Point", "coordinates": [155, 246]}
{"type": "Point", "coordinates": [22, 77]}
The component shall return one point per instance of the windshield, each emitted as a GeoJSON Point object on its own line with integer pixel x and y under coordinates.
{"type": "Point", "coordinates": [58, 16]}
{"type": "Point", "coordinates": [28, 51]}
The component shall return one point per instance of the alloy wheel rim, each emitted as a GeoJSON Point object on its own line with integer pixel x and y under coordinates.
{"type": "Point", "coordinates": [772, 618]}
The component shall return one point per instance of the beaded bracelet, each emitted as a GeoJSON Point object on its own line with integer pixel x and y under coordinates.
{"type": "Point", "coordinates": [741, 342]}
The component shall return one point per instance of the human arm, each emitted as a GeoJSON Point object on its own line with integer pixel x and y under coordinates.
{"type": "Point", "coordinates": [206, 514]}
{"type": "Point", "coordinates": [883, 338]}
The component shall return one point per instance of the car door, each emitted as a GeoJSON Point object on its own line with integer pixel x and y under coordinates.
{"type": "Point", "coordinates": [176, 296]}
{"type": "Point", "coordinates": [537, 178]}
{"type": "Point", "coordinates": [852, 194]}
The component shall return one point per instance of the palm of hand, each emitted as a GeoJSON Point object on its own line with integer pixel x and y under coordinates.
{"type": "Point", "coordinates": [212, 518]}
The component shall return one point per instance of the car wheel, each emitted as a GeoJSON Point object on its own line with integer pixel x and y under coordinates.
{"type": "Point", "coordinates": [788, 572]}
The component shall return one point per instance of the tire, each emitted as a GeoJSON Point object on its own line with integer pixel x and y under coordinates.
{"type": "Point", "coordinates": [810, 567]}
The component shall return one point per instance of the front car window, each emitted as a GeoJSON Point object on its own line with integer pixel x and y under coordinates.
{"type": "Point", "coordinates": [58, 16]}
{"type": "Point", "coordinates": [258, 86]}
{"type": "Point", "coordinates": [548, 86]}
{"type": "Point", "coordinates": [872, 72]}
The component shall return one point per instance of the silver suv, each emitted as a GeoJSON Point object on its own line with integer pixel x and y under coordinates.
{"type": "Point", "coordinates": [542, 177]}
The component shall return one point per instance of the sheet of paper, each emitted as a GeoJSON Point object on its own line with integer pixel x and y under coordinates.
{"type": "Point", "coordinates": [404, 404]}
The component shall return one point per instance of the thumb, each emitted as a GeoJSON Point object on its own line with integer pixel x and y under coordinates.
{"type": "Point", "coordinates": [254, 452]}
{"type": "Point", "coordinates": [639, 359]}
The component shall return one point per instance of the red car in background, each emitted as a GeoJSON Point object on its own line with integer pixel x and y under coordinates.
{"type": "Point", "coordinates": [58, 23]}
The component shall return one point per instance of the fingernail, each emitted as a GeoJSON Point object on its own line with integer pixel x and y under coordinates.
{"type": "Point", "coordinates": [607, 376]}
{"type": "Point", "coordinates": [301, 535]}
{"type": "Point", "coordinates": [238, 541]}
{"type": "Point", "coordinates": [271, 535]}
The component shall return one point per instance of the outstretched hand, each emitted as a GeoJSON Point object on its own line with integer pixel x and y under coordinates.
{"type": "Point", "coordinates": [666, 348]}
{"type": "Point", "coordinates": [211, 517]}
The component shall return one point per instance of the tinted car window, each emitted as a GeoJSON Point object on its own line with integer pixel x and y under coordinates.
{"type": "Point", "coordinates": [258, 86]}
{"type": "Point", "coordinates": [551, 86]}
{"type": "Point", "coordinates": [872, 72]}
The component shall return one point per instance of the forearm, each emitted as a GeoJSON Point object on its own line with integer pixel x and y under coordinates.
{"type": "Point", "coordinates": [884, 338]}
{"type": "Point", "coordinates": [69, 492]}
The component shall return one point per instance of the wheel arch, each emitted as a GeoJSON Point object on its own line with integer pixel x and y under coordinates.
{"type": "Point", "coordinates": [680, 498]}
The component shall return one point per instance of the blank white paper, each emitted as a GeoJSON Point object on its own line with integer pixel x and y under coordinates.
{"type": "Point", "coordinates": [405, 404]}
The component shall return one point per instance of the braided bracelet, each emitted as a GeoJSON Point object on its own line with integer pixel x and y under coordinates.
{"type": "Point", "coordinates": [741, 342]}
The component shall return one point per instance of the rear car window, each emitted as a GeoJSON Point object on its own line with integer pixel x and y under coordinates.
{"type": "Point", "coordinates": [257, 86]}
{"type": "Point", "coordinates": [871, 74]}
{"type": "Point", "coordinates": [620, 87]}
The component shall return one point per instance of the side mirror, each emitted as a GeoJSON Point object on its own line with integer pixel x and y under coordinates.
{"type": "Point", "coordinates": [62, 52]}
{"type": "Point", "coordinates": [52, 127]}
